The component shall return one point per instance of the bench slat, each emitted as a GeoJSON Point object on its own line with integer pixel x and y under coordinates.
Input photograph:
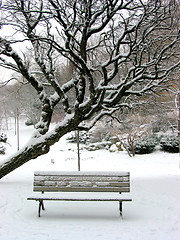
{"type": "Point", "coordinates": [80, 189]}
{"type": "Point", "coordinates": [79, 184]}
{"type": "Point", "coordinates": [82, 173]}
{"type": "Point", "coordinates": [82, 178]}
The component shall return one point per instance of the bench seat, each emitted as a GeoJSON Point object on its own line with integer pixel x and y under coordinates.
{"type": "Point", "coordinates": [99, 198]}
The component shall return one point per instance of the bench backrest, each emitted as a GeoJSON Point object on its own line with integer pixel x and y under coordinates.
{"type": "Point", "coordinates": [54, 181]}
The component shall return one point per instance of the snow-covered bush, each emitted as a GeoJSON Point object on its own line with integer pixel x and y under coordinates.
{"type": "Point", "coordinates": [97, 134]}
{"type": "Point", "coordinates": [100, 133]}
{"type": "Point", "coordinates": [145, 144]}
{"type": "Point", "coordinates": [3, 139]}
{"type": "Point", "coordinates": [29, 123]}
{"type": "Point", "coordinates": [116, 147]}
{"type": "Point", "coordinates": [2, 149]}
{"type": "Point", "coordinates": [170, 144]}
{"type": "Point", "coordinates": [83, 137]}
{"type": "Point", "coordinates": [98, 145]}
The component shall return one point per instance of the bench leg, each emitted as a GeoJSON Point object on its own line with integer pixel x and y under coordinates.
{"type": "Point", "coordinates": [41, 205]}
{"type": "Point", "coordinates": [120, 208]}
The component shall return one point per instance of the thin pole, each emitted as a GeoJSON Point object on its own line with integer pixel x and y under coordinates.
{"type": "Point", "coordinates": [179, 115]}
{"type": "Point", "coordinates": [17, 129]}
{"type": "Point", "coordinates": [78, 150]}
{"type": "Point", "coordinates": [15, 123]}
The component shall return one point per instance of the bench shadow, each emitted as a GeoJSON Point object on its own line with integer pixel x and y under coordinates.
{"type": "Point", "coordinates": [79, 212]}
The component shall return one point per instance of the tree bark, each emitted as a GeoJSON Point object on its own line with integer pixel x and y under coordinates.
{"type": "Point", "coordinates": [38, 146]}
{"type": "Point", "coordinates": [22, 157]}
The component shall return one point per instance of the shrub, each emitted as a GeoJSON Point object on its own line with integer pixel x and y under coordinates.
{"type": "Point", "coordinates": [145, 144]}
{"type": "Point", "coordinates": [2, 149]}
{"type": "Point", "coordinates": [3, 138]}
{"type": "Point", "coordinates": [83, 137]}
{"type": "Point", "coordinates": [29, 123]}
{"type": "Point", "coordinates": [100, 133]}
{"type": "Point", "coordinates": [170, 144]}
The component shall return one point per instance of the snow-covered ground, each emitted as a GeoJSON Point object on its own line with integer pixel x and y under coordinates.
{"type": "Point", "coordinates": [153, 214]}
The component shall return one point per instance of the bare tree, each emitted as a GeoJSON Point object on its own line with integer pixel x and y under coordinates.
{"type": "Point", "coordinates": [118, 49]}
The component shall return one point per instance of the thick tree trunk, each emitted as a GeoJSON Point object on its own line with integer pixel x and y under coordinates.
{"type": "Point", "coordinates": [38, 146]}
{"type": "Point", "coordinates": [22, 157]}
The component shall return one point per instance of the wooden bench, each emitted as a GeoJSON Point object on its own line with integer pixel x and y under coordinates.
{"type": "Point", "coordinates": [53, 181]}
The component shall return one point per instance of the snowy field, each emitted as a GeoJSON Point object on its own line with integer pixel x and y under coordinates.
{"type": "Point", "coordinates": [153, 214]}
